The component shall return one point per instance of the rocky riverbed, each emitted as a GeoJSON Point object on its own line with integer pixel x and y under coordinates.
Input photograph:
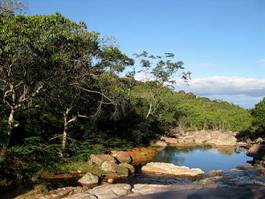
{"type": "Point", "coordinates": [241, 182]}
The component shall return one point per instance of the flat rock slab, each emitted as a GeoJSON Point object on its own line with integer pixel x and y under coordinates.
{"type": "Point", "coordinates": [246, 192]}
{"type": "Point", "coordinates": [171, 169]}
{"type": "Point", "coordinates": [110, 191]}
{"type": "Point", "coordinates": [82, 196]}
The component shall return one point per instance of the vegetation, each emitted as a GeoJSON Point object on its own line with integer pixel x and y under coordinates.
{"type": "Point", "coordinates": [257, 128]}
{"type": "Point", "coordinates": [62, 97]}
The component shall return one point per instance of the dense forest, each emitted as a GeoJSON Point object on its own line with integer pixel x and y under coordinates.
{"type": "Point", "coordinates": [67, 92]}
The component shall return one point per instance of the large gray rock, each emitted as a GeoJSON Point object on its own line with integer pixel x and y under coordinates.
{"type": "Point", "coordinates": [170, 169]}
{"type": "Point", "coordinates": [89, 179]}
{"type": "Point", "coordinates": [214, 138]}
{"type": "Point", "coordinates": [99, 159]}
{"type": "Point", "coordinates": [110, 191]}
{"type": "Point", "coordinates": [109, 166]}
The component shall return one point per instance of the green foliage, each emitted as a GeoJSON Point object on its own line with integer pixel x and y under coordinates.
{"type": "Point", "coordinates": [259, 114]}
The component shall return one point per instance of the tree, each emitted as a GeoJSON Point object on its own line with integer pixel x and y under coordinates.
{"type": "Point", "coordinates": [12, 7]}
{"type": "Point", "coordinates": [24, 63]}
{"type": "Point", "coordinates": [161, 70]}
{"type": "Point", "coordinates": [259, 114]}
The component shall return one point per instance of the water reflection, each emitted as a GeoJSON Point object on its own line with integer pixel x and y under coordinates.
{"type": "Point", "coordinates": [206, 158]}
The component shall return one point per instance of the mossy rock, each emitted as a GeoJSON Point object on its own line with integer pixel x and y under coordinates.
{"type": "Point", "coordinates": [123, 171]}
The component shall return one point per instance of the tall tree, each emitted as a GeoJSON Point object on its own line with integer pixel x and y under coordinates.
{"type": "Point", "coordinates": [160, 71]}
{"type": "Point", "coordinates": [12, 7]}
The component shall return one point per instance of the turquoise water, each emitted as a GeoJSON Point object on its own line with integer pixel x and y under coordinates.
{"type": "Point", "coordinates": [204, 158]}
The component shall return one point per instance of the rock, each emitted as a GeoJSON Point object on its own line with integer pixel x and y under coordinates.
{"type": "Point", "coordinates": [122, 156]}
{"type": "Point", "coordinates": [109, 191]}
{"type": "Point", "coordinates": [256, 149]}
{"type": "Point", "coordinates": [214, 138]}
{"type": "Point", "coordinates": [171, 169]}
{"type": "Point", "coordinates": [146, 189]}
{"type": "Point", "coordinates": [109, 166]}
{"type": "Point", "coordinates": [170, 141]}
{"type": "Point", "coordinates": [82, 196]}
{"type": "Point", "coordinates": [88, 180]}
{"type": "Point", "coordinates": [129, 166]}
{"type": "Point", "coordinates": [143, 155]}
{"type": "Point", "coordinates": [122, 171]}
{"type": "Point", "coordinates": [99, 159]}
{"type": "Point", "coordinates": [159, 143]}
{"type": "Point", "coordinates": [215, 172]}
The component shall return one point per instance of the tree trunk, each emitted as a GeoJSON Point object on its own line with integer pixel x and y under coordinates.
{"type": "Point", "coordinates": [11, 121]}
{"type": "Point", "coordinates": [65, 132]}
{"type": "Point", "coordinates": [149, 111]}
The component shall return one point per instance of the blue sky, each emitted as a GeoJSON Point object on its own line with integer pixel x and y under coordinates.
{"type": "Point", "coordinates": [218, 40]}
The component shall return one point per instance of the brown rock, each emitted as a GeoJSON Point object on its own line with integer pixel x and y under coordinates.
{"type": "Point", "coordinates": [99, 159]}
{"type": "Point", "coordinates": [215, 172]}
{"type": "Point", "coordinates": [129, 166]}
{"type": "Point", "coordinates": [122, 156]}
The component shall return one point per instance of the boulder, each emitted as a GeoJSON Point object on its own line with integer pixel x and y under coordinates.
{"type": "Point", "coordinates": [213, 173]}
{"type": "Point", "coordinates": [122, 171]}
{"type": "Point", "coordinates": [159, 143]}
{"type": "Point", "coordinates": [109, 191]}
{"type": "Point", "coordinates": [257, 151]}
{"type": "Point", "coordinates": [109, 166]}
{"type": "Point", "coordinates": [89, 179]}
{"type": "Point", "coordinates": [99, 159]}
{"type": "Point", "coordinates": [122, 156]}
{"type": "Point", "coordinates": [171, 169]}
{"type": "Point", "coordinates": [128, 166]}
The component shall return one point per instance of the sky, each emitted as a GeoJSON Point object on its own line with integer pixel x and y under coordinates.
{"type": "Point", "coordinates": [222, 42]}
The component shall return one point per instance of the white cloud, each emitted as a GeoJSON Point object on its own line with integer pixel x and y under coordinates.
{"type": "Point", "coordinates": [239, 90]}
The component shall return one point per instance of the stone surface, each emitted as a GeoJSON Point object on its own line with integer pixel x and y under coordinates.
{"type": "Point", "coordinates": [110, 191]}
{"type": "Point", "coordinates": [159, 143]}
{"type": "Point", "coordinates": [122, 171]}
{"type": "Point", "coordinates": [170, 169]}
{"type": "Point", "coordinates": [89, 179]}
{"type": "Point", "coordinates": [82, 196]}
{"type": "Point", "coordinates": [256, 150]}
{"type": "Point", "coordinates": [215, 172]}
{"type": "Point", "coordinates": [142, 155]}
{"type": "Point", "coordinates": [109, 166]}
{"type": "Point", "coordinates": [214, 138]}
{"type": "Point", "coordinates": [128, 166]}
{"type": "Point", "coordinates": [99, 159]}
{"type": "Point", "coordinates": [122, 156]}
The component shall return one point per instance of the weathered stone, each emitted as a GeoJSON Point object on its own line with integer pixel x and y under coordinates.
{"type": "Point", "coordinates": [122, 171]}
{"type": "Point", "coordinates": [89, 179]}
{"type": "Point", "coordinates": [82, 196]}
{"type": "Point", "coordinates": [99, 159]}
{"type": "Point", "coordinates": [129, 166]}
{"type": "Point", "coordinates": [255, 149]}
{"type": "Point", "coordinates": [122, 156]}
{"type": "Point", "coordinates": [171, 169]}
{"type": "Point", "coordinates": [159, 143]}
{"type": "Point", "coordinates": [109, 191]}
{"type": "Point", "coordinates": [214, 138]}
{"type": "Point", "coordinates": [109, 166]}
{"type": "Point", "coordinates": [143, 155]}
{"type": "Point", "coordinates": [215, 172]}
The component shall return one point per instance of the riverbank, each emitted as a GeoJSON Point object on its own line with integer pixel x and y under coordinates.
{"type": "Point", "coordinates": [102, 171]}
